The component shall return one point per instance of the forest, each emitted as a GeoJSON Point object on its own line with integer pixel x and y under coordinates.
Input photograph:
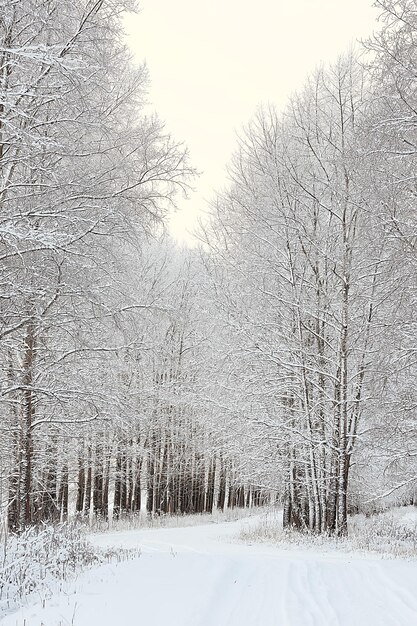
{"type": "Point", "coordinates": [275, 362]}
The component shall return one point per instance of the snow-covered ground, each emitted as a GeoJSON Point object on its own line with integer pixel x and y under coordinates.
{"type": "Point", "coordinates": [202, 576]}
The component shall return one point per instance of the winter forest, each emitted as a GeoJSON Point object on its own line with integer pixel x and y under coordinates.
{"type": "Point", "coordinates": [274, 363]}
{"type": "Point", "coordinates": [271, 365]}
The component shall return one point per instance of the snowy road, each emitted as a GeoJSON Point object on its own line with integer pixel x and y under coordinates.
{"type": "Point", "coordinates": [199, 577]}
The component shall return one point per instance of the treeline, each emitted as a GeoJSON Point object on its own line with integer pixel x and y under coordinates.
{"type": "Point", "coordinates": [93, 315]}
{"type": "Point", "coordinates": [313, 246]}
{"type": "Point", "coordinates": [278, 362]}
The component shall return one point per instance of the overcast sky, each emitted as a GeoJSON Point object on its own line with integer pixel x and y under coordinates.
{"type": "Point", "coordinates": [212, 63]}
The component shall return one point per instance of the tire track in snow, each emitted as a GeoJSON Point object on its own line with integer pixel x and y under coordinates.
{"type": "Point", "coordinates": [194, 577]}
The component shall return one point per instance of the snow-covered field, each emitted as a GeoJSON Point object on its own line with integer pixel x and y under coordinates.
{"type": "Point", "coordinates": [203, 576]}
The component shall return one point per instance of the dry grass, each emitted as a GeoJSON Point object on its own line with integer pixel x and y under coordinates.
{"type": "Point", "coordinates": [391, 534]}
{"type": "Point", "coordinates": [40, 559]}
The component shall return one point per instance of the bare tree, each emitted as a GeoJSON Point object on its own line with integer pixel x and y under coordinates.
{"type": "Point", "coordinates": [297, 230]}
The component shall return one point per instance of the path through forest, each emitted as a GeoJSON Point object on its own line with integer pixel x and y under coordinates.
{"type": "Point", "coordinates": [202, 576]}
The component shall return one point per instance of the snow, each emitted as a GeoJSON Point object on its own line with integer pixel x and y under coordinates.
{"type": "Point", "coordinates": [406, 516]}
{"type": "Point", "coordinates": [203, 576]}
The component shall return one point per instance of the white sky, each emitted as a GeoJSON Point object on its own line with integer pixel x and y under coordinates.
{"type": "Point", "coordinates": [212, 63]}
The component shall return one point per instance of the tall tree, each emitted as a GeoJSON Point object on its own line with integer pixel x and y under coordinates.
{"type": "Point", "coordinates": [81, 172]}
{"type": "Point", "coordinates": [298, 229]}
